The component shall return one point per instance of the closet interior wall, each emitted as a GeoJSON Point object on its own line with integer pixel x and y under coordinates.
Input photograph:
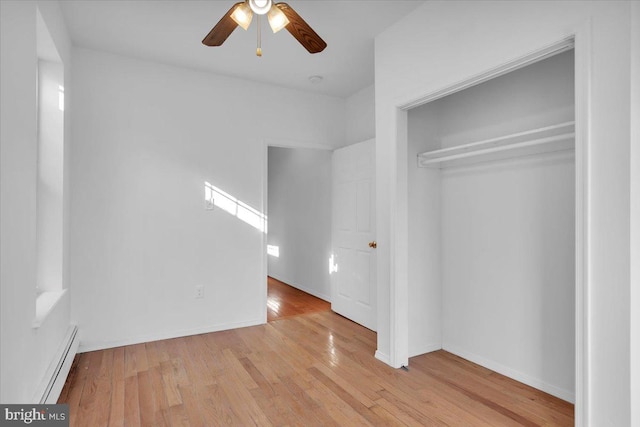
{"type": "Point", "coordinates": [492, 243]}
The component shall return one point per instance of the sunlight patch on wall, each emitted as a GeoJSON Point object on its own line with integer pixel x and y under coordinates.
{"type": "Point", "coordinates": [333, 266]}
{"type": "Point", "coordinates": [273, 250]}
{"type": "Point", "coordinates": [60, 97]}
{"type": "Point", "coordinates": [214, 196]}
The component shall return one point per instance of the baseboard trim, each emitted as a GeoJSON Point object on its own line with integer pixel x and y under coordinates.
{"type": "Point", "coordinates": [512, 373]}
{"type": "Point", "coordinates": [56, 375]}
{"type": "Point", "coordinates": [383, 357]}
{"type": "Point", "coordinates": [425, 348]}
{"type": "Point", "coordinates": [97, 345]}
{"type": "Point", "coordinates": [314, 293]}
{"type": "Point", "coordinates": [322, 296]}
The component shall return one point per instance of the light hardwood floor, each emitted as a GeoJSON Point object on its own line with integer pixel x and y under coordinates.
{"type": "Point", "coordinates": [313, 369]}
{"type": "Point", "coordinates": [286, 301]}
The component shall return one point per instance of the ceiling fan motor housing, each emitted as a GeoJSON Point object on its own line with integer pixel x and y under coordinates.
{"type": "Point", "coordinates": [260, 7]}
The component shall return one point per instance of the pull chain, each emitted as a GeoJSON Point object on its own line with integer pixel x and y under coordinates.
{"type": "Point", "coordinates": [259, 48]}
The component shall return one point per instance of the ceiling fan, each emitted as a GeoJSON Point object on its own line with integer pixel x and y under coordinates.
{"type": "Point", "coordinates": [279, 15]}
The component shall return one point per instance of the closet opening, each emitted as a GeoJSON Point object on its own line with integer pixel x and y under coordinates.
{"type": "Point", "coordinates": [491, 204]}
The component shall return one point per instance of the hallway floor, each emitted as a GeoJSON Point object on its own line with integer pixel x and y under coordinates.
{"type": "Point", "coordinates": [286, 301]}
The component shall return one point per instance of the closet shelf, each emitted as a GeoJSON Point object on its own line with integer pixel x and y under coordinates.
{"type": "Point", "coordinates": [535, 141]}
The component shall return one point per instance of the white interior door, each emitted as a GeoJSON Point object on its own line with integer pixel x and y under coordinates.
{"type": "Point", "coordinates": [353, 277]}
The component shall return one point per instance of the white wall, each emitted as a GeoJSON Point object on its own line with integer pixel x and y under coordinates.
{"type": "Point", "coordinates": [437, 46]}
{"type": "Point", "coordinates": [635, 213]}
{"type": "Point", "coordinates": [361, 116]}
{"type": "Point", "coordinates": [424, 244]}
{"type": "Point", "coordinates": [25, 353]}
{"type": "Point", "coordinates": [508, 268]}
{"type": "Point", "coordinates": [146, 138]}
{"type": "Point", "coordinates": [299, 214]}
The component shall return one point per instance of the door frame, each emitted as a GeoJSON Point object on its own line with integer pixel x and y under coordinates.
{"type": "Point", "coordinates": [580, 41]}
{"type": "Point", "coordinates": [282, 143]}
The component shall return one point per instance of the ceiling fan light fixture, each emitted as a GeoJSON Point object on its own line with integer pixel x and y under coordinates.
{"type": "Point", "coordinates": [242, 15]}
{"type": "Point", "coordinates": [277, 19]}
{"type": "Point", "coordinates": [260, 7]}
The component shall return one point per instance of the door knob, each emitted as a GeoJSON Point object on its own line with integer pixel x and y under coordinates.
{"type": "Point", "coordinates": [373, 244]}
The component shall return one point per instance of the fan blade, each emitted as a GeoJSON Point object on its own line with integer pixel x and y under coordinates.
{"type": "Point", "coordinates": [222, 30]}
{"type": "Point", "coordinates": [301, 30]}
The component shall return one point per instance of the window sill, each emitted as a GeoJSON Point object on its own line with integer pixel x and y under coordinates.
{"type": "Point", "coordinates": [45, 303]}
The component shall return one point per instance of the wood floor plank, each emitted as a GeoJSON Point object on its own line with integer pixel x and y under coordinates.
{"type": "Point", "coordinates": [130, 363]}
{"type": "Point", "coordinates": [131, 403]}
{"type": "Point", "coordinates": [116, 414]}
{"type": "Point", "coordinates": [159, 396]}
{"type": "Point", "coordinates": [273, 409]}
{"type": "Point", "coordinates": [436, 410]}
{"type": "Point", "coordinates": [178, 416]}
{"type": "Point", "coordinates": [192, 406]}
{"type": "Point", "coordinates": [218, 410]}
{"type": "Point", "coordinates": [190, 361]}
{"type": "Point", "coordinates": [400, 415]}
{"type": "Point", "coordinates": [77, 374]}
{"type": "Point", "coordinates": [344, 383]}
{"type": "Point", "coordinates": [359, 378]}
{"type": "Point", "coordinates": [251, 413]}
{"type": "Point", "coordinates": [231, 340]}
{"type": "Point", "coordinates": [145, 399]}
{"type": "Point", "coordinates": [347, 397]}
{"type": "Point", "coordinates": [94, 408]}
{"type": "Point", "coordinates": [289, 408]}
{"type": "Point", "coordinates": [302, 412]}
{"type": "Point", "coordinates": [385, 417]}
{"type": "Point", "coordinates": [336, 408]}
{"type": "Point", "coordinates": [170, 384]}
{"type": "Point", "coordinates": [235, 367]}
{"type": "Point", "coordinates": [187, 360]}
{"type": "Point", "coordinates": [319, 414]}
{"type": "Point", "coordinates": [176, 368]}
{"type": "Point", "coordinates": [258, 377]}
{"type": "Point", "coordinates": [76, 387]}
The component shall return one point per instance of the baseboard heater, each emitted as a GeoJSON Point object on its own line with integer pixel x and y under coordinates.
{"type": "Point", "coordinates": [56, 375]}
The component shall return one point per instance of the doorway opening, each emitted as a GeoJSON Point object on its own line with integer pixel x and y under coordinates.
{"type": "Point", "coordinates": [299, 231]}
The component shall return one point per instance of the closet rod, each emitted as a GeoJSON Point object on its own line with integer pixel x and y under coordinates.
{"type": "Point", "coordinates": [532, 137]}
{"type": "Point", "coordinates": [540, 141]}
{"type": "Point", "coordinates": [500, 138]}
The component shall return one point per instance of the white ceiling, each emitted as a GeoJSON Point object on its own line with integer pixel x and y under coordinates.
{"type": "Point", "coordinates": [172, 31]}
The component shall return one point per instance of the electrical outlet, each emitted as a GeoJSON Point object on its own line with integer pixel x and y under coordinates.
{"type": "Point", "coordinates": [199, 292]}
